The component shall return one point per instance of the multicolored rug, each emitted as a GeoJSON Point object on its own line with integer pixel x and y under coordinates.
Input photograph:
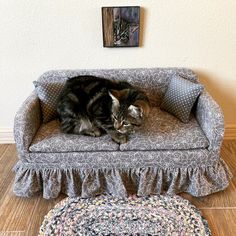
{"type": "Point", "coordinates": [103, 215]}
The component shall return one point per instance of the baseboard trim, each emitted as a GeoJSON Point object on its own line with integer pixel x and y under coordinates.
{"type": "Point", "coordinates": [6, 136]}
{"type": "Point", "coordinates": [230, 132]}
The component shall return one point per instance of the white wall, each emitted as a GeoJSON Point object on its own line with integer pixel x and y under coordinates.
{"type": "Point", "coordinates": [36, 36]}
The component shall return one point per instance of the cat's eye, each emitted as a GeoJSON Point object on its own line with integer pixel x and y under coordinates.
{"type": "Point", "coordinates": [125, 123]}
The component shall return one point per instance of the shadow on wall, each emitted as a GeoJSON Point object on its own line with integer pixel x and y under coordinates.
{"type": "Point", "coordinates": [225, 99]}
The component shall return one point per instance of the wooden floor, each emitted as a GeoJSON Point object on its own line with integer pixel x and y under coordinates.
{"type": "Point", "coordinates": [22, 216]}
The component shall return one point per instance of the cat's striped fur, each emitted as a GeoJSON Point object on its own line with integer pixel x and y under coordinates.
{"type": "Point", "coordinates": [90, 105]}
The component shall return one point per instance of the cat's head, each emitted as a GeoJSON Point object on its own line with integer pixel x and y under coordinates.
{"type": "Point", "coordinates": [127, 112]}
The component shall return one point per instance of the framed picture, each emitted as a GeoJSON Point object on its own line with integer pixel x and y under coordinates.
{"type": "Point", "coordinates": [121, 26]}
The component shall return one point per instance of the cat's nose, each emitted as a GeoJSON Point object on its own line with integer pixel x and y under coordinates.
{"type": "Point", "coordinates": [117, 125]}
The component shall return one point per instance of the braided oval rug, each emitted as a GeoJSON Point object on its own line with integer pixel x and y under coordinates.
{"type": "Point", "coordinates": [104, 215]}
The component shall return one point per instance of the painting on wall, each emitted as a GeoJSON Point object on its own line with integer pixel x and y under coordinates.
{"type": "Point", "coordinates": [121, 26]}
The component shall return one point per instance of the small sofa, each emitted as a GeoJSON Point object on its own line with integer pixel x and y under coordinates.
{"type": "Point", "coordinates": [164, 156]}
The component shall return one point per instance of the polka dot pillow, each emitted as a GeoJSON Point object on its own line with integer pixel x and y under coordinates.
{"type": "Point", "coordinates": [180, 97]}
{"type": "Point", "coordinates": [48, 94]}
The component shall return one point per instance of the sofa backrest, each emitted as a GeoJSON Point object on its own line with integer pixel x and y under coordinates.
{"type": "Point", "coordinates": [153, 81]}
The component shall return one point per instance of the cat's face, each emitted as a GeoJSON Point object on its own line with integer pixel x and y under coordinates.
{"type": "Point", "coordinates": [126, 120]}
{"type": "Point", "coordinates": [125, 115]}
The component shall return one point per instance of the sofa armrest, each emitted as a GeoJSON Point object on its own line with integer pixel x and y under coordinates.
{"type": "Point", "coordinates": [210, 117]}
{"type": "Point", "coordinates": [27, 121]}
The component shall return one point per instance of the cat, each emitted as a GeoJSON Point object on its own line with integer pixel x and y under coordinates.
{"type": "Point", "coordinates": [92, 106]}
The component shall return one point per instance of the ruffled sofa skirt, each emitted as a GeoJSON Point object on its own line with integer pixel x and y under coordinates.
{"type": "Point", "coordinates": [53, 179]}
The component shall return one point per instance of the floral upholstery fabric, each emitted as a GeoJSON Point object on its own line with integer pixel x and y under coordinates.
{"type": "Point", "coordinates": [210, 117]}
{"type": "Point", "coordinates": [49, 138]}
{"type": "Point", "coordinates": [26, 123]}
{"type": "Point", "coordinates": [154, 81]}
{"type": "Point", "coordinates": [126, 159]}
{"type": "Point", "coordinates": [160, 131]}
{"type": "Point", "coordinates": [119, 182]}
{"type": "Point", "coordinates": [198, 171]}
{"type": "Point", "coordinates": [164, 131]}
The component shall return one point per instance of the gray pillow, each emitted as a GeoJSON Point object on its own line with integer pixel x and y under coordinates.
{"type": "Point", "coordinates": [180, 97]}
{"type": "Point", "coordinates": [48, 94]}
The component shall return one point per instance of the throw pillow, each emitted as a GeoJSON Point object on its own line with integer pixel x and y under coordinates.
{"type": "Point", "coordinates": [48, 94]}
{"type": "Point", "coordinates": [180, 97]}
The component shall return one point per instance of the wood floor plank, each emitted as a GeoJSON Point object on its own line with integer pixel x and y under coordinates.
{"type": "Point", "coordinates": [42, 207]}
{"type": "Point", "coordinates": [7, 162]}
{"type": "Point", "coordinates": [3, 148]}
{"type": "Point", "coordinates": [228, 153]}
{"type": "Point", "coordinates": [221, 222]}
{"type": "Point", "coordinates": [13, 233]}
{"type": "Point", "coordinates": [16, 211]}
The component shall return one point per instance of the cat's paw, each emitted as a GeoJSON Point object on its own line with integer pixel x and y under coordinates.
{"type": "Point", "coordinates": [97, 132]}
{"type": "Point", "coordinates": [93, 132]}
{"type": "Point", "coordinates": [120, 139]}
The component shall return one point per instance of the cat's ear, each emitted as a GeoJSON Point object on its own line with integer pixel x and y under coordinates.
{"type": "Point", "coordinates": [144, 107]}
{"type": "Point", "coordinates": [114, 94]}
{"type": "Point", "coordinates": [135, 111]}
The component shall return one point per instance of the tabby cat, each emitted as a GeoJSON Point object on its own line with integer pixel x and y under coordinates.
{"type": "Point", "coordinates": [91, 106]}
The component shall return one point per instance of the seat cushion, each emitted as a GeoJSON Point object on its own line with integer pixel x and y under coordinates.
{"type": "Point", "coordinates": [161, 131]}
{"type": "Point", "coordinates": [164, 131]}
{"type": "Point", "coordinates": [49, 138]}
